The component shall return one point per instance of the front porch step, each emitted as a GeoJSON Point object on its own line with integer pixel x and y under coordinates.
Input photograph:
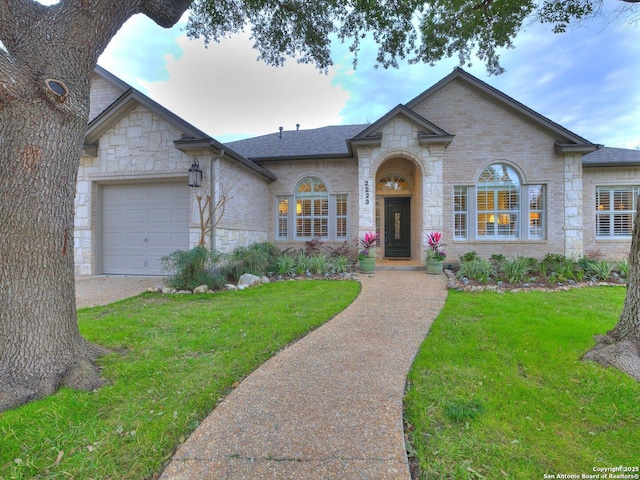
{"type": "Point", "coordinates": [406, 268]}
{"type": "Point", "coordinates": [384, 265]}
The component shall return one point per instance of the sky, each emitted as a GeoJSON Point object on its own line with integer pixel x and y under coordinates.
{"type": "Point", "coordinates": [587, 80]}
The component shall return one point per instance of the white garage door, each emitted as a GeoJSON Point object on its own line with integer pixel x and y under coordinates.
{"type": "Point", "coordinates": [142, 223]}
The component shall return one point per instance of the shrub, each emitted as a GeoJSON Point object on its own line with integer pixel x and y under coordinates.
{"type": "Point", "coordinates": [286, 264]}
{"type": "Point", "coordinates": [347, 249]}
{"type": "Point", "coordinates": [341, 264]}
{"type": "Point", "coordinates": [257, 259]}
{"type": "Point", "coordinates": [191, 268]}
{"type": "Point", "coordinates": [477, 269]}
{"type": "Point", "coordinates": [303, 263]}
{"type": "Point", "coordinates": [469, 256]}
{"type": "Point", "coordinates": [318, 263]}
{"type": "Point", "coordinates": [515, 270]}
{"type": "Point", "coordinates": [623, 268]}
{"type": "Point", "coordinates": [602, 269]}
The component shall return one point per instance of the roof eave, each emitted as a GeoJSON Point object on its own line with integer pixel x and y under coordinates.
{"type": "Point", "coordinates": [427, 139]}
{"type": "Point", "coordinates": [187, 145]}
{"type": "Point", "coordinates": [576, 147]}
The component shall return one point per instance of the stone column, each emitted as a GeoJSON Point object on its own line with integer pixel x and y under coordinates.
{"type": "Point", "coordinates": [573, 214]}
{"type": "Point", "coordinates": [366, 193]}
{"type": "Point", "coordinates": [432, 191]}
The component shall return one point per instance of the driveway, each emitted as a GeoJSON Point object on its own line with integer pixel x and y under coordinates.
{"type": "Point", "coordinates": [103, 289]}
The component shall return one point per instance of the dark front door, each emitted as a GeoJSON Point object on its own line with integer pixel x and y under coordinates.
{"type": "Point", "coordinates": [397, 227]}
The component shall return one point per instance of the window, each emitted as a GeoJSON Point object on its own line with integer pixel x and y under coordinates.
{"type": "Point", "coordinates": [460, 212]}
{"type": "Point", "coordinates": [497, 207]}
{"type": "Point", "coordinates": [311, 213]}
{"type": "Point", "coordinates": [615, 209]}
{"type": "Point", "coordinates": [283, 218]}
{"type": "Point", "coordinates": [312, 209]}
{"type": "Point", "coordinates": [498, 202]}
{"type": "Point", "coordinates": [536, 212]}
{"type": "Point", "coordinates": [341, 217]}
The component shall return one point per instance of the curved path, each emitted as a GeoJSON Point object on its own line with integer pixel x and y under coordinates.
{"type": "Point", "coordinates": [330, 405]}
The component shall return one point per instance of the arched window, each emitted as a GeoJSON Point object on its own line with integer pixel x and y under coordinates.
{"type": "Point", "coordinates": [393, 182]}
{"type": "Point", "coordinates": [498, 202]}
{"type": "Point", "coordinates": [312, 209]}
{"type": "Point", "coordinates": [499, 207]}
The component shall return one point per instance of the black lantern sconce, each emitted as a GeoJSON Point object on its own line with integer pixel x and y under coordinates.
{"type": "Point", "coordinates": [195, 174]}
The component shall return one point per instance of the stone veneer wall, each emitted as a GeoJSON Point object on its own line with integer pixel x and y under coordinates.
{"type": "Point", "coordinates": [400, 141]}
{"type": "Point", "coordinates": [138, 148]}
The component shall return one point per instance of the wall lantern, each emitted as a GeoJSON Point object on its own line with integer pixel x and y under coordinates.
{"type": "Point", "coordinates": [195, 174]}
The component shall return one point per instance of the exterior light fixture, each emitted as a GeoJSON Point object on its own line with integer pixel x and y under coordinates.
{"type": "Point", "coordinates": [195, 174]}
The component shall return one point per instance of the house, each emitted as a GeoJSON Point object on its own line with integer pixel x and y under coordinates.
{"type": "Point", "coordinates": [462, 158]}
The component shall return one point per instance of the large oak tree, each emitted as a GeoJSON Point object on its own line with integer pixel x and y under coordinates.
{"type": "Point", "coordinates": [48, 57]}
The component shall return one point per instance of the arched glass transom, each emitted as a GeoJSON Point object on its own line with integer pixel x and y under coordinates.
{"type": "Point", "coordinates": [393, 182]}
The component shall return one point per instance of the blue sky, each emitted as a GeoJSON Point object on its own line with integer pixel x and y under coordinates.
{"type": "Point", "coordinates": [587, 80]}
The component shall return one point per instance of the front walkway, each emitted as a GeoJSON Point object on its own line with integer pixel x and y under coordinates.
{"type": "Point", "coordinates": [330, 405]}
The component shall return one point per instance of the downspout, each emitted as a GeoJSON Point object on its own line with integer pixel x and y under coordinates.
{"type": "Point", "coordinates": [214, 194]}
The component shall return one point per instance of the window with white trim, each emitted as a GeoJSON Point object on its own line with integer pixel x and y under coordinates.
{"type": "Point", "coordinates": [312, 213]}
{"type": "Point", "coordinates": [494, 208]}
{"type": "Point", "coordinates": [460, 206]}
{"type": "Point", "coordinates": [341, 217]}
{"type": "Point", "coordinates": [282, 227]}
{"type": "Point", "coordinates": [615, 211]}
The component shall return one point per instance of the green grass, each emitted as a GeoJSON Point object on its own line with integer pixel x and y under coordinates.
{"type": "Point", "coordinates": [498, 389]}
{"type": "Point", "coordinates": [180, 355]}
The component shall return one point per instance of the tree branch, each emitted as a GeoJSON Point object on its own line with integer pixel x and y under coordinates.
{"type": "Point", "coordinates": [164, 12]}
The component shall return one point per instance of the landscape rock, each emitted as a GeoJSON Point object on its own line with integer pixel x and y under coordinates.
{"type": "Point", "coordinates": [230, 286]}
{"type": "Point", "coordinates": [201, 289]}
{"type": "Point", "coordinates": [168, 290]}
{"type": "Point", "coordinates": [248, 280]}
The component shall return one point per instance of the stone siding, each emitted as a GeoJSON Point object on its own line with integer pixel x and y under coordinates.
{"type": "Point", "coordinates": [139, 148]}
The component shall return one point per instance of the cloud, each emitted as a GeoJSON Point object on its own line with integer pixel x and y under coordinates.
{"type": "Point", "coordinates": [585, 79]}
{"type": "Point", "coordinates": [226, 92]}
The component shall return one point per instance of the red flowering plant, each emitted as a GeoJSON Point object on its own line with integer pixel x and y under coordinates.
{"type": "Point", "coordinates": [435, 250]}
{"type": "Point", "coordinates": [368, 243]}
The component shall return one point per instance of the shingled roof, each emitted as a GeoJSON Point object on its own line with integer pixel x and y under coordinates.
{"type": "Point", "coordinates": [609, 157]}
{"type": "Point", "coordinates": [322, 142]}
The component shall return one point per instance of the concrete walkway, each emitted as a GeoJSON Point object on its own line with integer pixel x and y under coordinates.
{"type": "Point", "coordinates": [329, 406]}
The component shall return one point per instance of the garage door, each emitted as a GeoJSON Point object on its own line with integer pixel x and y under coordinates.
{"type": "Point", "coordinates": [142, 223]}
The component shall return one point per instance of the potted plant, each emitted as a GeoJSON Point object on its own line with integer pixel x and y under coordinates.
{"type": "Point", "coordinates": [367, 255]}
{"type": "Point", "coordinates": [435, 253]}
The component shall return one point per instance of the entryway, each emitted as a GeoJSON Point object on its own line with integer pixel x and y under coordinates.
{"type": "Point", "coordinates": [397, 227]}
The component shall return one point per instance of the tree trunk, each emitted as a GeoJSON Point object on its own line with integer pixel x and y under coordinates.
{"type": "Point", "coordinates": [40, 345]}
{"type": "Point", "coordinates": [620, 347]}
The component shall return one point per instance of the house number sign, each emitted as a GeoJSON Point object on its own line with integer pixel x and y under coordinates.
{"type": "Point", "coordinates": [367, 192]}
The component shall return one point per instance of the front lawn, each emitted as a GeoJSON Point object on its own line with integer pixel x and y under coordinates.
{"type": "Point", "coordinates": [178, 356]}
{"type": "Point", "coordinates": [498, 389]}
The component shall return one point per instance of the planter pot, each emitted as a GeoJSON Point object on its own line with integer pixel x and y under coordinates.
{"type": "Point", "coordinates": [434, 267]}
{"type": "Point", "coordinates": [367, 265]}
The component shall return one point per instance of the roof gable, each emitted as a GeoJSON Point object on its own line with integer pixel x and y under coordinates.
{"type": "Point", "coordinates": [566, 140]}
{"type": "Point", "coordinates": [429, 132]}
{"type": "Point", "coordinates": [192, 137]}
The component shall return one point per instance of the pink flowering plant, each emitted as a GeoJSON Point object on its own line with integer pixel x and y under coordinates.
{"type": "Point", "coordinates": [368, 243]}
{"type": "Point", "coordinates": [435, 250]}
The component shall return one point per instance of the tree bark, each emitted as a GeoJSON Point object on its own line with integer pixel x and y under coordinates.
{"type": "Point", "coordinates": [620, 347]}
{"type": "Point", "coordinates": [44, 103]}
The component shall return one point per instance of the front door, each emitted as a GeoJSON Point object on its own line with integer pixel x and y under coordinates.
{"type": "Point", "coordinates": [397, 227]}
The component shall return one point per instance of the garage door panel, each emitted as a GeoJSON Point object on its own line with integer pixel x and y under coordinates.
{"type": "Point", "coordinates": [141, 224]}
